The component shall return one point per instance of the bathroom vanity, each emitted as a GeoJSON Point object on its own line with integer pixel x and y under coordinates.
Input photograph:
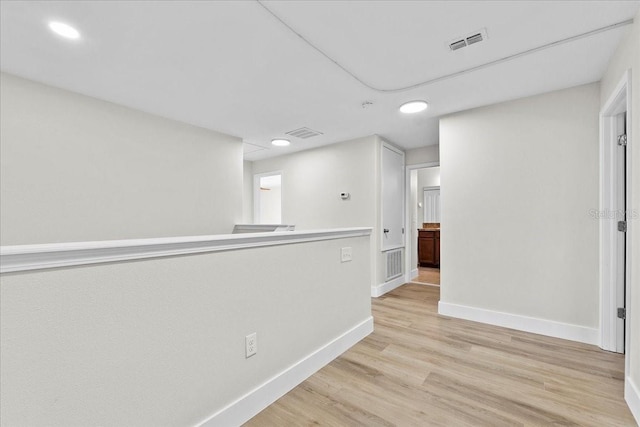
{"type": "Point", "coordinates": [429, 247]}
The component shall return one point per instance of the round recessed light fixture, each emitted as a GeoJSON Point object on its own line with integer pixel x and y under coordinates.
{"type": "Point", "coordinates": [280, 142]}
{"type": "Point", "coordinates": [413, 107]}
{"type": "Point", "coordinates": [64, 30]}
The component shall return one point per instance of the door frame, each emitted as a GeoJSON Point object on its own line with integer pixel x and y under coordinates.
{"type": "Point", "coordinates": [408, 268]}
{"type": "Point", "coordinates": [618, 102]}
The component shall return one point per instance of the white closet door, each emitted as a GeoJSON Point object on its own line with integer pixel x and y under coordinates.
{"type": "Point", "coordinates": [392, 199]}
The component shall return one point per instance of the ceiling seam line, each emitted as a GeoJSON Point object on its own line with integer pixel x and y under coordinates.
{"type": "Point", "coordinates": [457, 73]}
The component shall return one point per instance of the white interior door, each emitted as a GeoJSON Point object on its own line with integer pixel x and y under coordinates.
{"type": "Point", "coordinates": [392, 198]}
{"type": "Point", "coordinates": [621, 216]}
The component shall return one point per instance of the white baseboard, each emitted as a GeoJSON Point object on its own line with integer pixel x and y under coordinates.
{"type": "Point", "coordinates": [414, 273]}
{"type": "Point", "coordinates": [632, 396]}
{"type": "Point", "coordinates": [377, 291]}
{"type": "Point", "coordinates": [522, 323]}
{"type": "Point", "coordinates": [262, 396]}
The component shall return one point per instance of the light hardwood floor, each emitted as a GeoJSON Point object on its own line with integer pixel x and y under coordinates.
{"type": "Point", "coordinates": [428, 275]}
{"type": "Point", "coordinates": [421, 369]}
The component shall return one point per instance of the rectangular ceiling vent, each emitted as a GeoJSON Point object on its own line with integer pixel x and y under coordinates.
{"type": "Point", "coordinates": [304, 133]}
{"type": "Point", "coordinates": [468, 40]}
{"type": "Point", "coordinates": [457, 45]}
{"type": "Point", "coordinates": [476, 38]}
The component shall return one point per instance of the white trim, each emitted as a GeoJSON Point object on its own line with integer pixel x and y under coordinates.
{"type": "Point", "coordinates": [392, 248]}
{"type": "Point", "coordinates": [407, 221]}
{"type": "Point", "coordinates": [392, 147]}
{"type": "Point", "coordinates": [383, 288]}
{"type": "Point", "coordinates": [261, 228]}
{"type": "Point", "coordinates": [246, 407]}
{"type": "Point", "coordinates": [631, 191]}
{"type": "Point", "coordinates": [35, 257]}
{"type": "Point", "coordinates": [619, 101]}
{"type": "Point", "coordinates": [632, 397]}
{"type": "Point", "coordinates": [521, 323]}
{"type": "Point", "coordinates": [414, 273]}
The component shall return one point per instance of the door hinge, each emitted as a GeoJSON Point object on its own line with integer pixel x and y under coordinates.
{"type": "Point", "coordinates": [402, 230]}
{"type": "Point", "coordinates": [622, 313]}
{"type": "Point", "coordinates": [622, 140]}
{"type": "Point", "coordinates": [622, 226]}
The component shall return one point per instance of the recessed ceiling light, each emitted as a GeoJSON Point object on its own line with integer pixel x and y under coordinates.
{"type": "Point", "coordinates": [280, 142]}
{"type": "Point", "coordinates": [64, 30]}
{"type": "Point", "coordinates": [413, 107]}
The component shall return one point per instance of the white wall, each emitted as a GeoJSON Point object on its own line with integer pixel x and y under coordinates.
{"type": "Point", "coordinates": [150, 342]}
{"type": "Point", "coordinates": [161, 342]}
{"type": "Point", "coordinates": [627, 56]}
{"type": "Point", "coordinates": [420, 155]}
{"type": "Point", "coordinates": [247, 192]}
{"type": "Point", "coordinates": [74, 168]}
{"type": "Point", "coordinates": [312, 181]}
{"type": "Point", "coordinates": [518, 181]}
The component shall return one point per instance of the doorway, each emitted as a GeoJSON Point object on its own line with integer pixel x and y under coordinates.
{"type": "Point", "coordinates": [615, 246]}
{"type": "Point", "coordinates": [267, 196]}
{"type": "Point", "coordinates": [423, 223]}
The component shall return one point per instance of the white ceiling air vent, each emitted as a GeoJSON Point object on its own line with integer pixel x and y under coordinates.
{"type": "Point", "coordinates": [476, 38]}
{"type": "Point", "coordinates": [468, 40]}
{"type": "Point", "coordinates": [458, 44]}
{"type": "Point", "coordinates": [304, 133]}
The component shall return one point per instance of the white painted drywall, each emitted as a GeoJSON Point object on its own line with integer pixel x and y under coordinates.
{"type": "Point", "coordinates": [518, 182]}
{"type": "Point", "coordinates": [420, 155]}
{"type": "Point", "coordinates": [313, 180]}
{"type": "Point", "coordinates": [627, 56]}
{"type": "Point", "coordinates": [162, 341]}
{"type": "Point", "coordinates": [247, 192]}
{"type": "Point", "coordinates": [74, 168]}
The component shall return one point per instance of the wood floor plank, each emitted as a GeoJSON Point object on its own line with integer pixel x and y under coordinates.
{"type": "Point", "coordinates": [428, 275]}
{"type": "Point", "coordinates": [421, 369]}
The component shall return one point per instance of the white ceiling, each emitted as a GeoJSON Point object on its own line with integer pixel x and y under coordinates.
{"type": "Point", "coordinates": [236, 68]}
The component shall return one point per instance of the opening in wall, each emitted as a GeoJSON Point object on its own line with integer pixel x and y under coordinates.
{"type": "Point", "coordinates": [267, 191]}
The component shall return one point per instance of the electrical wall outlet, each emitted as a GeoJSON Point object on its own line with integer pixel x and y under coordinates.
{"type": "Point", "coordinates": [346, 254]}
{"type": "Point", "coordinates": [251, 344]}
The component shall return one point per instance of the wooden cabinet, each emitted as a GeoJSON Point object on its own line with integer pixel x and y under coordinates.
{"type": "Point", "coordinates": [429, 248]}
